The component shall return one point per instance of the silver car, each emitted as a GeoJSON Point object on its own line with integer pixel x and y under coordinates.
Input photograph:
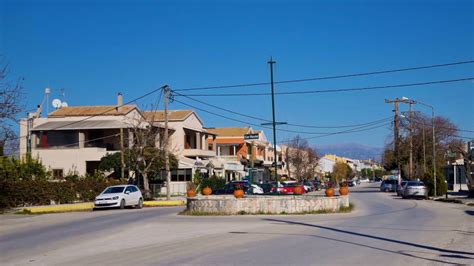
{"type": "Point", "coordinates": [415, 189]}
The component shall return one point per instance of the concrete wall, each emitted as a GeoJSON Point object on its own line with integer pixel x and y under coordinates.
{"type": "Point", "coordinates": [228, 204]}
{"type": "Point", "coordinates": [69, 159]}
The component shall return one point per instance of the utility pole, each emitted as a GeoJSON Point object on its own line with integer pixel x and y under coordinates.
{"type": "Point", "coordinates": [166, 91]}
{"type": "Point", "coordinates": [411, 140]}
{"type": "Point", "coordinates": [271, 62]}
{"type": "Point", "coordinates": [424, 150]}
{"type": "Point", "coordinates": [396, 102]}
{"type": "Point", "coordinates": [122, 155]}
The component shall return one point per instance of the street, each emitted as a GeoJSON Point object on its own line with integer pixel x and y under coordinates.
{"type": "Point", "coordinates": [382, 230]}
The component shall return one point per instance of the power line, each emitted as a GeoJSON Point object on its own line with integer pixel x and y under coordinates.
{"type": "Point", "coordinates": [329, 77]}
{"type": "Point", "coordinates": [334, 90]}
{"type": "Point", "coordinates": [267, 120]}
{"type": "Point", "coordinates": [342, 132]}
{"type": "Point", "coordinates": [257, 125]}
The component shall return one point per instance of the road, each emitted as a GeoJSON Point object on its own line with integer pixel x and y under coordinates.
{"type": "Point", "coordinates": [382, 230]}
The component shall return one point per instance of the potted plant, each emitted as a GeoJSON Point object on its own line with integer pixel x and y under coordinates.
{"type": "Point", "coordinates": [191, 189]}
{"type": "Point", "coordinates": [207, 191]}
{"type": "Point", "coordinates": [238, 192]}
{"type": "Point", "coordinates": [330, 189]}
{"type": "Point", "coordinates": [344, 190]}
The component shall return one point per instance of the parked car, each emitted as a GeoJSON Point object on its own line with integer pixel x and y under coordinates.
{"type": "Point", "coordinates": [289, 188]}
{"type": "Point", "coordinates": [308, 186]}
{"type": "Point", "coordinates": [351, 183]}
{"type": "Point", "coordinates": [401, 187]}
{"type": "Point", "coordinates": [364, 180]}
{"type": "Point", "coordinates": [119, 196]}
{"type": "Point", "coordinates": [389, 185]}
{"type": "Point", "coordinates": [231, 186]}
{"type": "Point", "coordinates": [415, 189]}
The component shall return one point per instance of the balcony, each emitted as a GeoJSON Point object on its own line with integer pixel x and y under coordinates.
{"type": "Point", "coordinates": [198, 153]}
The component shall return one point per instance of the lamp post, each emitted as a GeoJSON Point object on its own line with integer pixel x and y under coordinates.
{"type": "Point", "coordinates": [434, 143]}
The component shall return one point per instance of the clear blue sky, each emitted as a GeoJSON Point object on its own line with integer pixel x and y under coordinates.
{"type": "Point", "coordinates": [94, 49]}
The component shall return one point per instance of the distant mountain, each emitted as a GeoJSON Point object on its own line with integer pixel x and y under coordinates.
{"type": "Point", "coordinates": [351, 150]}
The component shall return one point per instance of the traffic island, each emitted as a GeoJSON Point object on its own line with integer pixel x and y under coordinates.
{"type": "Point", "coordinates": [254, 205]}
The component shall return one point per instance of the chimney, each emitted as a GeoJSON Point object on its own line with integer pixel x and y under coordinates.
{"type": "Point", "coordinates": [119, 101]}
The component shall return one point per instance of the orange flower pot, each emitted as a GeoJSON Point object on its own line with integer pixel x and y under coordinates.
{"type": "Point", "coordinates": [191, 193]}
{"type": "Point", "coordinates": [343, 191]}
{"type": "Point", "coordinates": [330, 192]}
{"type": "Point", "coordinates": [207, 191]}
{"type": "Point", "coordinates": [239, 193]}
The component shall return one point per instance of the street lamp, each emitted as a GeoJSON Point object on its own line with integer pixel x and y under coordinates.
{"type": "Point", "coordinates": [434, 143]}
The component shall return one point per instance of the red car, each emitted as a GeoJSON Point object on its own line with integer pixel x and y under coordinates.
{"type": "Point", "coordinates": [289, 189]}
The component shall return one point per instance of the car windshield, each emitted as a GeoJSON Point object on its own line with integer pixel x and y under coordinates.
{"type": "Point", "coordinates": [111, 190]}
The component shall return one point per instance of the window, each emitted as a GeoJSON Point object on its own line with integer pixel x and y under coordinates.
{"type": "Point", "coordinates": [58, 173]}
{"type": "Point", "coordinates": [129, 189]}
{"type": "Point", "coordinates": [181, 175]}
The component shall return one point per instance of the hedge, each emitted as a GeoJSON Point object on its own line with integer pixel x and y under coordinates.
{"type": "Point", "coordinates": [43, 192]}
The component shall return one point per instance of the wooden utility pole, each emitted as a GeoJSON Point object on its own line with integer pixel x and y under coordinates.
{"type": "Point", "coordinates": [396, 102]}
{"type": "Point", "coordinates": [122, 155]}
{"type": "Point", "coordinates": [166, 91]}
{"type": "Point", "coordinates": [411, 140]}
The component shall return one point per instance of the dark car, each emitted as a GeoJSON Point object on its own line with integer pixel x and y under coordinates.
{"type": "Point", "coordinates": [230, 187]}
{"type": "Point", "coordinates": [389, 185]}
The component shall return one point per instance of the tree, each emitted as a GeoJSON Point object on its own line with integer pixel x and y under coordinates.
{"type": "Point", "coordinates": [301, 158]}
{"type": "Point", "coordinates": [341, 171]}
{"type": "Point", "coordinates": [10, 106]}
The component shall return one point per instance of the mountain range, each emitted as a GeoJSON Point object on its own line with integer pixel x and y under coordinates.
{"type": "Point", "coordinates": [351, 150]}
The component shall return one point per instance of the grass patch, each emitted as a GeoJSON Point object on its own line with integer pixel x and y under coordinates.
{"type": "Point", "coordinates": [348, 209]}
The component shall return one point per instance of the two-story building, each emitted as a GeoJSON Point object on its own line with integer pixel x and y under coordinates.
{"type": "Point", "coordinates": [74, 139]}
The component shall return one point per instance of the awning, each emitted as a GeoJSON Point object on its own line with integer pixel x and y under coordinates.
{"type": "Point", "coordinates": [76, 125]}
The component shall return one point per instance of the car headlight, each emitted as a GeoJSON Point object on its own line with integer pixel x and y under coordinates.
{"type": "Point", "coordinates": [115, 198]}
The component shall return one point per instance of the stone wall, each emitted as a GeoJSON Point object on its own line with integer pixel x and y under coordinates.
{"type": "Point", "coordinates": [228, 204]}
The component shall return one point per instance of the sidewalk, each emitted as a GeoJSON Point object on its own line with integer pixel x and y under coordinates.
{"type": "Point", "coordinates": [88, 206]}
{"type": "Point", "coordinates": [461, 197]}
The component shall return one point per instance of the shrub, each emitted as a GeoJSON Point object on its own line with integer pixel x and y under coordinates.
{"type": "Point", "coordinates": [213, 182]}
{"type": "Point", "coordinates": [42, 192]}
{"type": "Point", "coordinates": [441, 186]}
{"type": "Point", "coordinates": [24, 168]}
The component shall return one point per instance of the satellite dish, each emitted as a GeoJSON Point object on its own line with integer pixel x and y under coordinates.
{"type": "Point", "coordinates": [64, 104]}
{"type": "Point", "coordinates": [57, 103]}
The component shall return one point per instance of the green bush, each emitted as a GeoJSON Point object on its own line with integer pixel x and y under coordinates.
{"type": "Point", "coordinates": [42, 192]}
{"type": "Point", "coordinates": [27, 167]}
{"type": "Point", "coordinates": [213, 182]}
{"type": "Point", "coordinates": [441, 186]}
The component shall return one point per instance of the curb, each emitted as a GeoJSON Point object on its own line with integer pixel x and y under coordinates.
{"type": "Point", "coordinates": [88, 206]}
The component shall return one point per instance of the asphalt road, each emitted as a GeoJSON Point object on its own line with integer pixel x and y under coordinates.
{"type": "Point", "coordinates": [382, 230]}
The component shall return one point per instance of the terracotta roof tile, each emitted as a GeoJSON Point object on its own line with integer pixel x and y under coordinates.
{"type": "Point", "coordinates": [230, 131]}
{"type": "Point", "coordinates": [92, 111]}
{"type": "Point", "coordinates": [173, 115]}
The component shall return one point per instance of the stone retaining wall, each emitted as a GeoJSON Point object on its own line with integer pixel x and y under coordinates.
{"type": "Point", "coordinates": [228, 204]}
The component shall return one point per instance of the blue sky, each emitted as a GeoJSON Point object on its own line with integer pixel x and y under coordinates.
{"type": "Point", "coordinates": [94, 49]}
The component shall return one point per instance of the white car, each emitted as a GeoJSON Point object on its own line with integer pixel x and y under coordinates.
{"type": "Point", "coordinates": [119, 196]}
{"type": "Point", "coordinates": [256, 189]}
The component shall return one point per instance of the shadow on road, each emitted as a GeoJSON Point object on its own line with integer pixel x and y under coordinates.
{"type": "Point", "coordinates": [431, 248]}
{"type": "Point", "coordinates": [470, 212]}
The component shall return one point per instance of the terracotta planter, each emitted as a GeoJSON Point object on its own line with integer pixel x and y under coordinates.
{"type": "Point", "coordinates": [191, 193]}
{"type": "Point", "coordinates": [343, 191]}
{"type": "Point", "coordinates": [207, 191]}
{"type": "Point", "coordinates": [330, 192]}
{"type": "Point", "coordinates": [239, 193]}
{"type": "Point", "coordinates": [299, 190]}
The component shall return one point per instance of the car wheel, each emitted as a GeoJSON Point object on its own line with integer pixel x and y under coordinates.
{"type": "Point", "coordinates": [122, 204]}
{"type": "Point", "coordinates": [140, 203]}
